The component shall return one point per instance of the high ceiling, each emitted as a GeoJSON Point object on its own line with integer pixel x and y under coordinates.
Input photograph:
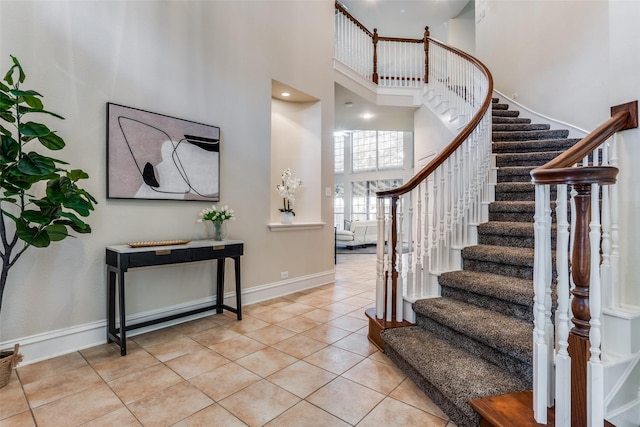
{"type": "Point", "coordinates": [403, 18]}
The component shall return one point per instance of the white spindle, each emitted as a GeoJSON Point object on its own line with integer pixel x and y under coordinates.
{"type": "Point", "coordinates": [410, 273]}
{"type": "Point", "coordinates": [380, 283]}
{"type": "Point", "coordinates": [563, 361]}
{"type": "Point", "coordinates": [540, 353]}
{"type": "Point", "coordinates": [400, 284]}
{"type": "Point", "coordinates": [595, 370]}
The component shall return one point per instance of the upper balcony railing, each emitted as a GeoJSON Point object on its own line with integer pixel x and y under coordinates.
{"type": "Point", "coordinates": [386, 61]}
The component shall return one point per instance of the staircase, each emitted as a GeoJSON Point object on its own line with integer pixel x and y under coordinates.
{"type": "Point", "coordinates": [476, 340]}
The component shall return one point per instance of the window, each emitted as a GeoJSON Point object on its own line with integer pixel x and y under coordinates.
{"type": "Point", "coordinates": [338, 206]}
{"type": "Point", "coordinates": [377, 150]}
{"type": "Point", "coordinates": [338, 147]}
{"type": "Point", "coordinates": [363, 197]}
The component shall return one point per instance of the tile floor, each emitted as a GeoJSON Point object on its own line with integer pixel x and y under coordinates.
{"type": "Point", "coordinates": [299, 360]}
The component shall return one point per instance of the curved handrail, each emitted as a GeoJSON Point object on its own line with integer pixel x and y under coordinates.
{"type": "Point", "coordinates": [458, 140]}
{"type": "Point", "coordinates": [352, 19]}
{"type": "Point", "coordinates": [560, 170]}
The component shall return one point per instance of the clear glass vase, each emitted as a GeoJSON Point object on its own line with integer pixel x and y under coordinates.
{"type": "Point", "coordinates": [217, 230]}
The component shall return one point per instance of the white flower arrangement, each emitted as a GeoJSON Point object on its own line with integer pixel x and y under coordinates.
{"type": "Point", "coordinates": [287, 190]}
{"type": "Point", "coordinates": [216, 215]}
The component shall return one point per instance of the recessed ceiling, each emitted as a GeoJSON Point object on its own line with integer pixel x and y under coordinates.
{"type": "Point", "coordinates": [277, 90]}
{"type": "Point", "coordinates": [403, 18]}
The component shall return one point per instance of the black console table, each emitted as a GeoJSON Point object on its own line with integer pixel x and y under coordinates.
{"type": "Point", "coordinates": [120, 258]}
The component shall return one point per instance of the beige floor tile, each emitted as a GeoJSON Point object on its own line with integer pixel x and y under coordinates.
{"type": "Point", "coordinates": [274, 315]}
{"type": "Point", "coordinates": [379, 356]}
{"type": "Point", "coordinates": [259, 403]}
{"type": "Point", "coordinates": [391, 412]}
{"type": "Point", "coordinates": [358, 300]}
{"type": "Point", "coordinates": [380, 377]}
{"type": "Point", "coordinates": [168, 350]}
{"type": "Point", "coordinates": [409, 393]}
{"type": "Point", "coordinates": [334, 359]}
{"type": "Point", "coordinates": [147, 381]}
{"type": "Point", "coordinates": [357, 343]}
{"type": "Point", "coordinates": [238, 347]}
{"type": "Point", "coordinates": [81, 407]}
{"type": "Point", "coordinates": [346, 400]}
{"type": "Point", "coordinates": [116, 367]}
{"type": "Point", "coordinates": [299, 346]}
{"type": "Point", "coordinates": [12, 398]}
{"type": "Point", "coordinates": [214, 415]}
{"type": "Point", "coordinates": [213, 336]}
{"type": "Point", "coordinates": [23, 419]}
{"type": "Point", "coordinates": [224, 318]}
{"type": "Point", "coordinates": [298, 324]}
{"type": "Point", "coordinates": [247, 325]}
{"type": "Point", "coordinates": [271, 334]}
{"type": "Point", "coordinates": [326, 333]}
{"type": "Point", "coordinates": [314, 300]}
{"type": "Point", "coordinates": [50, 367]}
{"type": "Point", "coordinates": [224, 381]}
{"type": "Point", "coordinates": [170, 405]}
{"type": "Point", "coordinates": [156, 337]}
{"type": "Point", "coordinates": [254, 308]}
{"type": "Point", "coordinates": [301, 378]}
{"type": "Point", "coordinates": [348, 323]}
{"type": "Point", "coordinates": [193, 326]}
{"type": "Point", "coordinates": [297, 308]}
{"type": "Point", "coordinates": [55, 387]}
{"type": "Point", "coordinates": [340, 307]}
{"type": "Point", "coordinates": [106, 351]}
{"type": "Point", "coordinates": [196, 363]}
{"type": "Point", "coordinates": [266, 361]}
{"type": "Point", "coordinates": [307, 415]}
{"type": "Point", "coordinates": [121, 418]}
{"type": "Point", "coordinates": [321, 315]}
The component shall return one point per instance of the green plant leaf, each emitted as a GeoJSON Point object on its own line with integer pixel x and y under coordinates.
{"type": "Point", "coordinates": [30, 97]}
{"type": "Point", "coordinates": [35, 164]}
{"type": "Point", "coordinates": [16, 64]}
{"type": "Point", "coordinates": [36, 216]}
{"type": "Point", "coordinates": [76, 174]}
{"type": "Point", "coordinates": [52, 142]}
{"type": "Point", "coordinates": [6, 102]}
{"type": "Point", "coordinates": [33, 130]}
{"type": "Point", "coordinates": [9, 149]}
{"type": "Point", "coordinates": [33, 236]}
{"type": "Point", "coordinates": [7, 117]}
{"type": "Point", "coordinates": [5, 131]}
{"type": "Point", "coordinates": [25, 110]}
{"type": "Point", "coordinates": [57, 232]}
{"type": "Point", "coordinates": [4, 88]}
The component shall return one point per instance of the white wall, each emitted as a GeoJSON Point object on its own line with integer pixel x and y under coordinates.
{"type": "Point", "coordinates": [462, 30]}
{"type": "Point", "coordinates": [210, 62]}
{"type": "Point", "coordinates": [546, 52]}
{"type": "Point", "coordinates": [624, 85]}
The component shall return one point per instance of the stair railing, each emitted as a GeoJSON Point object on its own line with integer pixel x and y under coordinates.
{"type": "Point", "coordinates": [587, 266]}
{"type": "Point", "coordinates": [386, 61]}
{"type": "Point", "coordinates": [430, 218]}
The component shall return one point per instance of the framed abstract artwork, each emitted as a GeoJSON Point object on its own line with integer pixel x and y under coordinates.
{"type": "Point", "coordinates": [157, 157]}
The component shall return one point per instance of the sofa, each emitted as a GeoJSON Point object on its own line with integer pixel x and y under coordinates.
{"type": "Point", "coordinates": [357, 233]}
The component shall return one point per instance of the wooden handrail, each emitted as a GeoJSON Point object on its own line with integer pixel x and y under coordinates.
{"type": "Point", "coordinates": [458, 140]}
{"type": "Point", "coordinates": [352, 19]}
{"type": "Point", "coordinates": [561, 171]}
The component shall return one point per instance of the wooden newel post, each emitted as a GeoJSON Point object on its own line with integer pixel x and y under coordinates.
{"type": "Point", "coordinates": [579, 334]}
{"type": "Point", "coordinates": [374, 77]}
{"type": "Point", "coordinates": [426, 55]}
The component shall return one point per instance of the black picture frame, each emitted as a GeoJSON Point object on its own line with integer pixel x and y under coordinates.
{"type": "Point", "coordinates": [158, 157]}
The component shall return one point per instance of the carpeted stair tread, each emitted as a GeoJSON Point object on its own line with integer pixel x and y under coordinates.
{"type": "Point", "coordinates": [451, 385]}
{"type": "Point", "coordinates": [499, 254]}
{"type": "Point", "coordinates": [524, 159]}
{"type": "Point", "coordinates": [536, 145]}
{"type": "Point", "coordinates": [514, 120]}
{"type": "Point", "coordinates": [511, 289]}
{"type": "Point", "coordinates": [519, 127]}
{"type": "Point", "coordinates": [504, 333]}
{"type": "Point", "coordinates": [498, 106]}
{"type": "Point", "coordinates": [506, 228]}
{"type": "Point", "coordinates": [514, 173]}
{"type": "Point", "coordinates": [509, 210]}
{"type": "Point", "coordinates": [529, 135]}
{"type": "Point", "coordinates": [505, 113]}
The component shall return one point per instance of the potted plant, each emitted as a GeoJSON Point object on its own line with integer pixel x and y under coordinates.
{"type": "Point", "coordinates": [216, 218]}
{"type": "Point", "coordinates": [287, 190]}
{"type": "Point", "coordinates": [40, 201]}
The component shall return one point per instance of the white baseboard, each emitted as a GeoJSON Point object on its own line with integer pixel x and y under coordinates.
{"type": "Point", "coordinates": [51, 344]}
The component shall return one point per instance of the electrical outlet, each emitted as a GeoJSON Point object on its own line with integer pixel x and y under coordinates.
{"type": "Point", "coordinates": [328, 192]}
{"type": "Point", "coordinates": [284, 274]}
